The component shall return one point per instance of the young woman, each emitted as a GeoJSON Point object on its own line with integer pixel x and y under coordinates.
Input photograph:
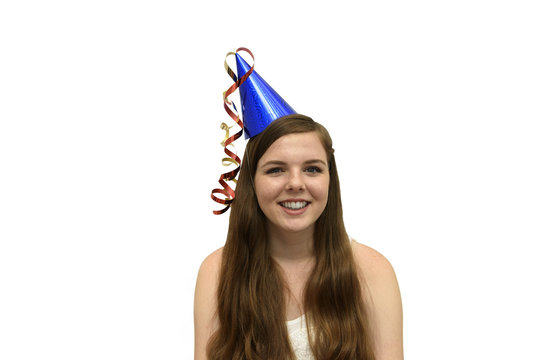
{"type": "Point", "coordinates": [289, 283]}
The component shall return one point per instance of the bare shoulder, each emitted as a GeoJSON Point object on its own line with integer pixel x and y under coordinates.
{"type": "Point", "coordinates": [383, 300]}
{"type": "Point", "coordinates": [211, 264]}
{"type": "Point", "coordinates": [206, 302]}
{"type": "Point", "coordinates": [207, 281]}
{"type": "Point", "coordinates": [373, 265]}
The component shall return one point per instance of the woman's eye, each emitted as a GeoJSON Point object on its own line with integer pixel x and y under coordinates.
{"type": "Point", "coordinates": [274, 171]}
{"type": "Point", "coordinates": [313, 169]}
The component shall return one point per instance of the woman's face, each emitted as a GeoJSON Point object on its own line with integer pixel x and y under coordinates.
{"type": "Point", "coordinates": [292, 182]}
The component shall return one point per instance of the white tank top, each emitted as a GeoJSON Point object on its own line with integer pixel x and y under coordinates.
{"type": "Point", "coordinates": [297, 332]}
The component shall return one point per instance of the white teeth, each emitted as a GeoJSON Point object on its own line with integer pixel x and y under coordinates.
{"type": "Point", "coordinates": [294, 205]}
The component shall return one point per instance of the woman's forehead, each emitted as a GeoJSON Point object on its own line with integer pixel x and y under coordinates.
{"type": "Point", "coordinates": [296, 147]}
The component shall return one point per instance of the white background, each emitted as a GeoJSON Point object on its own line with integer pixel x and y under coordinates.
{"type": "Point", "coordinates": [109, 148]}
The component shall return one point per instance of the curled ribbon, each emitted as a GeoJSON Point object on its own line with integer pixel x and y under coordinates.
{"type": "Point", "coordinates": [232, 158]}
{"type": "Point", "coordinates": [227, 161]}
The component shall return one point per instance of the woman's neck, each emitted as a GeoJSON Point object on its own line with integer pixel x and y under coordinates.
{"type": "Point", "coordinates": [291, 247]}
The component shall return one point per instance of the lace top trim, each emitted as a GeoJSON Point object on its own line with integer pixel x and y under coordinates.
{"type": "Point", "coordinates": [297, 332]}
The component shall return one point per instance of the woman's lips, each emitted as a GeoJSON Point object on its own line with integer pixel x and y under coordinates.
{"type": "Point", "coordinates": [294, 211]}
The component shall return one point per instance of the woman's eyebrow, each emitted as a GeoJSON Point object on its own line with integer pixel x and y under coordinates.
{"type": "Point", "coordinates": [315, 161]}
{"type": "Point", "coordinates": [273, 162]}
{"type": "Point", "coordinates": [281, 163]}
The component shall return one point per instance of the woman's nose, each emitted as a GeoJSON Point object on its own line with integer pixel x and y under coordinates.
{"type": "Point", "coordinates": [295, 181]}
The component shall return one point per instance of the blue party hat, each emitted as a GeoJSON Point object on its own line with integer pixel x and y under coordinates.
{"type": "Point", "coordinates": [260, 104]}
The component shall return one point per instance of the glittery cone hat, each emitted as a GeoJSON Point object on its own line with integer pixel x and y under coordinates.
{"type": "Point", "coordinates": [260, 106]}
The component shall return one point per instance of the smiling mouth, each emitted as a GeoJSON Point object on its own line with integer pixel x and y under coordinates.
{"type": "Point", "coordinates": [294, 205]}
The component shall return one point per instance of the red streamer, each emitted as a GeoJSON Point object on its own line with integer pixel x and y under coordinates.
{"type": "Point", "coordinates": [230, 109]}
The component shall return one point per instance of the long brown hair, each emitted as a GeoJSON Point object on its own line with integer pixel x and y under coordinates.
{"type": "Point", "coordinates": [251, 292]}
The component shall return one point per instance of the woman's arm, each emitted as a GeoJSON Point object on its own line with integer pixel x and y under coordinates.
{"type": "Point", "coordinates": [383, 300]}
{"type": "Point", "coordinates": [206, 321]}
